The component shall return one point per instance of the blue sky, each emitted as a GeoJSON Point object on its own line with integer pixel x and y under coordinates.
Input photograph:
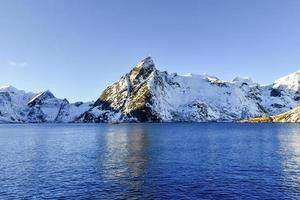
{"type": "Point", "coordinates": [76, 48]}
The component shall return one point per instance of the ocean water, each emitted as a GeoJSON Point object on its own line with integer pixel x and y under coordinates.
{"type": "Point", "coordinates": [150, 161]}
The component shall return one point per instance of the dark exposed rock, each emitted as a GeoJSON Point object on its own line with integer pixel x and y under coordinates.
{"type": "Point", "coordinates": [297, 98]}
{"type": "Point", "coordinates": [276, 105]}
{"type": "Point", "coordinates": [77, 104]}
{"type": "Point", "coordinates": [146, 94]}
{"type": "Point", "coordinates": [130, 94]}
{"type": "Point", "coordinates": [275, 93]}
{"type": "Point", "coordinates": [40, 98]}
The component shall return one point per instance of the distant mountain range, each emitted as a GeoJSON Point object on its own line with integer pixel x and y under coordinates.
{"type": "Point", "coordinates": [146, 94]}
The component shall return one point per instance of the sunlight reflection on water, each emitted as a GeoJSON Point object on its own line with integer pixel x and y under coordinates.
{"type": "Point", "coordinates": [289, 137]}
{"type": "Point", "coordinates": [150, 161]}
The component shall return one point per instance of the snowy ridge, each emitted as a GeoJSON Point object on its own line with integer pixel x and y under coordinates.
{"type": "Point", "coordinates": [291, 82]}
{"type": "Point", "coordinates": [159, 96]}
{"type": "Point", "coordinates": [146, 94]}
{"type": "Point", "coordinates": [17, 106]}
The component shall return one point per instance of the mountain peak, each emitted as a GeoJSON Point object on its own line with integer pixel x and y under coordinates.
{"type": "Point", "coordinates": [145, 63]}
{"type": "Point", "coordinates": [243, 81]}
{"type": "Point", "coordinates": [8, 88]}
{"type": "Point", "coordinates": [143, 68]}
{"type": "Point", "coordinates": [41, 97]}
{"type": "Point", "coordinates": [291, 81]}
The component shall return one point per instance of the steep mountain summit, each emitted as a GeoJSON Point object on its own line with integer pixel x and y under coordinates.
{"type": "Point", "coordinates": [291, 82]}
{"type": "Point", "coordinates": [40, 98]}
{"type": "Point", "coordinates": [145, 94]}
{"type": "Point", "coordinates": [143, 67]}
{"type": "Point", "coordinates": [8, 88]}
{"type": "Point", "coordinates": [128, 96]}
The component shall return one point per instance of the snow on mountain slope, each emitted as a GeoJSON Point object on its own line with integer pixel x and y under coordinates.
{"type": "Point", "coordinates": [201, 98]}
{"type": "Point", "coordinates": [17, 106]}
{"type": "Point", "coordinates": [13, 104]}
{"type": "Point", "coordinates": [71, 112]}
{"type": "Point", "coordinates": [125, 100]}
{"type": "Point", "coordinates": [147, 94]}
{"type": "Point", "coordinates": [45, 107]}
{"type": "Point", "coordinates": [291, 82]}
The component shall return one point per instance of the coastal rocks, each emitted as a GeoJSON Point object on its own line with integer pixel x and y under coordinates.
{"type": "Point", "coordinates": [292, 116]}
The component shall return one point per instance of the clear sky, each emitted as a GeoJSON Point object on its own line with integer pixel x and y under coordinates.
{"type": "Point", "coordinates": [76, 48]}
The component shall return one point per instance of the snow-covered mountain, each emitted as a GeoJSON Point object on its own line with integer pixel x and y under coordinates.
{"type": "Point", "coordinates": [146, 94]}
{"type": "Point", "coordinates": [13, 104]}
{"type": "Point", "coordinates": [290, 82]}
{"type": "Point", "coordinates": [17, 106]}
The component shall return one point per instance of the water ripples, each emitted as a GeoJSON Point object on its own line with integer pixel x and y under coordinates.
{"type": "Point", "coordinates": [150, 161]}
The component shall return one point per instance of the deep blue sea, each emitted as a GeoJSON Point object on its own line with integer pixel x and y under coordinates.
{"type": "Point", "coordinates": [150, 161]}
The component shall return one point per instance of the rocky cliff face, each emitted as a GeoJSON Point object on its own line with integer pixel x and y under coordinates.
{"type": "Point", "coordinates": [292, 116]}
{"type": "Point", "coordinates": [132, 94]}
{"type": "Point", "coordinates": [146, 94]}
{"type": "Point", "coordinates": [128, 99]}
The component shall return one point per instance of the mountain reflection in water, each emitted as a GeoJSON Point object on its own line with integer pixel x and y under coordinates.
{"type": "Point", "coordinates": [150, 161]}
